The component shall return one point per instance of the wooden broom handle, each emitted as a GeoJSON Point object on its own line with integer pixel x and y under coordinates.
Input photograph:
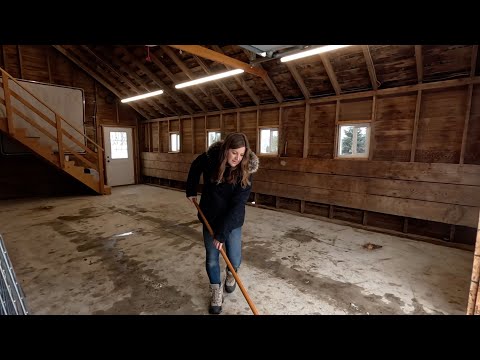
{"type": "Point", "coordinates": [229, 264]}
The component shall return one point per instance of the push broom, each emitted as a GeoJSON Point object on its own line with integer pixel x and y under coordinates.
{"type": "Point", "coordinates": [229, 264]}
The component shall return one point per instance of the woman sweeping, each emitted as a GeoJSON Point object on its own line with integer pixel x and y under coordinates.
{"type": "Point", "coordinates": [227, 167]}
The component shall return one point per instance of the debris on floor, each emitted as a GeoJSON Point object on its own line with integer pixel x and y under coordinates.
{"type": "Point", "coordinates": [370, 246]}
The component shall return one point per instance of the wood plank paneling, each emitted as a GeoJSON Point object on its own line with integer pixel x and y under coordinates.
{"type": "Point", "coordinates": [322, 131]}
{"type": "Point", "coordinates": [385, 221]}
{"type": "Point", "coordinates": [472, 151]}
{"type": "Point", "coordinates": [248, 126]}
{"type": "Point", "coordinates": [292, 128]}
{"type": "Point", "coordinates": [187, 136]}
{"type": "Point", "coordinates": [436, 192]}
{"type": "Point", "coordinates": [356, 110]}
{"type": "Point", "coordinates": [229, 123]}
{"type": "Point", "coordinates": [268, 117]}
{"type": "Point", "coordinates": [155, 136]}
{"type": "Point", "coordinates": [394, 127]}
{"type": "Point", "coordinates": [213, 122]}
{"type": "Point", "coordinates": [440, 127]}
{"type": "Point", "coordinates": [441, 173]}
{"type": "Point", "coordinates": [445, 213]}
{"type": "Point", "coordinates": [200, 138]}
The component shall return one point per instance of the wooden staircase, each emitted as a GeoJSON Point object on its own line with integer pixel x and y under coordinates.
{"type": "Point", "coordinates": [86, 159]}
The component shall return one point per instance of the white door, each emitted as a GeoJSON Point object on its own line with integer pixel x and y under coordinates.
{"type": "Point", "coordinates": [119, 156]}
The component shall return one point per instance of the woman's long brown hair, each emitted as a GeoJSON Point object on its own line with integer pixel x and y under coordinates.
{"type": "Point", "coordinates": [234, 141]}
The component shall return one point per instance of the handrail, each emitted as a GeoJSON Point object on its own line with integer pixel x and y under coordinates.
{"type": "Point", "coordinates": [61, 131]}
{"type": "Point", "coordinates": [48, 107]}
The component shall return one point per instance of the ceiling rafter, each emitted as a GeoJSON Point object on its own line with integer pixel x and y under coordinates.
{"type": "Point", "coordinates": [133, 74]}
{"type": "Point", "coordinates": [124, 79]}
{"type": "Point", "coordinates": [219, 83]}
{"type": "Point", "coordinates": [298, 79]}
{"type": "Point", "coordinates": [159, 82]}
{"type": "Point", "coordinates": [370, 66]}
{"type": "Point", "coordinates": [98, 78]}
{"type": "Point", "coordinates": [221, 58]}
{"type": "Point", "coordinates": [240, 80]}
{"type": "Point", "coordinates": [419, 62]}
{"type": "Point", "coordinates": [190, 75]}
{"type": "Point", "coordinates": [271, 86]}
{"type": "Point", "coordinates": [331, 74]}
{"type": "Point", "coordinates": [172, 77]}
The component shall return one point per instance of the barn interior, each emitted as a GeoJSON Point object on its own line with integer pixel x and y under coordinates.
{"type": "Point", "coordinates": [366, 200]}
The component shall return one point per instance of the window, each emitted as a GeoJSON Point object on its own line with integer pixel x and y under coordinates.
{"type": "Point", "coordinates": [269, 141]}
{"type": "Point", "coordinates": [118, 143]}
{"type": "Point", "coordinates": [353, 140]}
{"type": "Point", "coordinates": [213, 136]}
{"type": "Point", "coordinates": [174, 142]}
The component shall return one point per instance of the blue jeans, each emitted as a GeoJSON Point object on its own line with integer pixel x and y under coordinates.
{"type": "Point", "coordinates": [233, 247]}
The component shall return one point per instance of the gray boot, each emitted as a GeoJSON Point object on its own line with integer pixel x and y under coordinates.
{"type": "Point", "coordinates": [230, 282]}
{"type": "Point", "coordinates": [216, 299]}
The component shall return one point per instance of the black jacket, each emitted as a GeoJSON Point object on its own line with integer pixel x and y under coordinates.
{"type": "Point", "coordinates": [222, 204]}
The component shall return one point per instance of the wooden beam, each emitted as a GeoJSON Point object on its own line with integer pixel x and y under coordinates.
{"type": "Point", "coordinates": [419, 61]}
{"type": "Point", "coordinates": [240, 80]}
{"type": "Point", "coordinates": [465, 124]}
{"type": "Point", "coordinates": [298, 79]}
{"type": "Point", "coordinates": [190, 75]}
{"type": "Point", "coordinates": [335, 132]}
{"type": "Point", "coordinates": [268, 81]}
{"type": "Point", "coordinates": [257, 132]}
{"type": "Point", "coordinates": [330, 73]}
{"type": "Point", "coordinates": [75, 51]}
{"type": "Point", "coordinates": [220, 58]}
{"type": "Point", "coordinates": [469, 104]}
{"type": "Point", "coordinates": [273, 89]}
{"type": "Point", "coordinates": [370, 66]}
{"type": "Point", "coordinates": [172, 77]}
{"type": "Point", "coordinates": [415, 126]}
{"type": "Point", "coordinates": [473, 295]}
{"type": "Point", "coordinates": [97, 77]}
{"type": "Point", "coordinates": [361, 95]}
{"type": "Point", "coordinates": [138, 79]}
{"type": "Point", "coordinates": [122, 78]}
{"type": "Point", "coordinates": [219, 83]}
{"type": "Point", "coordinates": [371, 147]}
{"type": "Point", "coordinates": [159, 82]}
{"type": "Point", "coordinates": [306, 130]}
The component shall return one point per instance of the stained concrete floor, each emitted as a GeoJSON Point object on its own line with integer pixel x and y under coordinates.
{"type": "Point", "coordinates": [140, 251]}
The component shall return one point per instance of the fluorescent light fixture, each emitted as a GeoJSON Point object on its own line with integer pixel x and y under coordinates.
{"type": "Point", "coordinates": [143, 96]}
{"type": "Point", "coordinates": [311, 52]}
{"type": "Point", "coordinates": [209, 78]}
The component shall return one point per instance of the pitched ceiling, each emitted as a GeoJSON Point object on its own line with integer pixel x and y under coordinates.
{"type": "Point", "coordinates": [131, 70]}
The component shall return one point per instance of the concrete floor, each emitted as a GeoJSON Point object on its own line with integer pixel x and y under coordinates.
{"type": "Point", "coordinates": [140, 251]}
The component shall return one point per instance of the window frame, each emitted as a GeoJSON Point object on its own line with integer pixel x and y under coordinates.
{"type": "Point", "coordinates": [259, 142]}
{"type": "Point", "coordinates": [212, 130]}
{"type": "Point", "coordinates": [170, 151]}
{"type": "Point", "coordinates": [355, 124]}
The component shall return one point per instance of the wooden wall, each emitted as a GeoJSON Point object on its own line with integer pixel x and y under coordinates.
{"type": "Point", "coordinates": [422, 176]}
{"type": "Point", "coordinates": [102, 108]}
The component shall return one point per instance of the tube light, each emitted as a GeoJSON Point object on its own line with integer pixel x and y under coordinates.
{"type": "Point", "coordinates": [143, 96]}
{"type": "Point", "coordinates": [209, 78]}
{"type": "Point", "coordinates": [311, 52]}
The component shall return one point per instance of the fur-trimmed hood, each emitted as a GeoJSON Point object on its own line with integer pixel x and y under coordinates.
{"type": "Point", "coordinates": [253, 162]}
